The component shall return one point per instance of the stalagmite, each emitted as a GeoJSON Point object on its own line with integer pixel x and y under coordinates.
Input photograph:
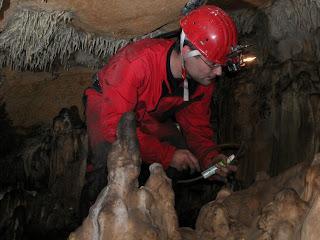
{"type": "Point", "coordinates": [124, 211]}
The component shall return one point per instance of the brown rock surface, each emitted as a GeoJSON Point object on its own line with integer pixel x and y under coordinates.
{"type": "Point", "coordinates": [119, 19]}
{"type": "Point", "coordinates": [34, 98]}
{"type": "Point", "coordinates": [282, 218]}
{"type": "Point", "coordinates": [311, 225]}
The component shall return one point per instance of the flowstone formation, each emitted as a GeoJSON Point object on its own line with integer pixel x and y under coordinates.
{"type": "Point", "coordinates": [123, 210]}
{"type": "Point", "coordinates": [279, 92]}
{"type": "Point", "coordinates": [285, 207]}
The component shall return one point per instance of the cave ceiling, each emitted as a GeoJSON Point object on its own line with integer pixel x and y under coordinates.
{"type": "Point", "coordinates": [117, 19]}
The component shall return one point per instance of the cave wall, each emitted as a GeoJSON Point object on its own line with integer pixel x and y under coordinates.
{"type": "Point", "coordinates": [35, 98]}
{"type": "Point", "coordinates": [273, 105]}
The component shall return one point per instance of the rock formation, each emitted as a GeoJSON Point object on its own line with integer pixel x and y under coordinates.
{"type": "Point", "coordinates": [42, 182]}
{"type": "Point", "coordinates": [285, 207]}
{"type": "Point", "coordinates": [311, 224]}
{"type": "Point", "coordinates": [123, 210]}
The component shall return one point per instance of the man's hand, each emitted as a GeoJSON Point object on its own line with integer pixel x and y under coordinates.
{"type": "Point", "coordinates": [184, 159]}
{"type": "Point", "coordinates": [223, 168]}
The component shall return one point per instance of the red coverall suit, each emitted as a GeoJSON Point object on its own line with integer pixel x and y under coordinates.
{"type": "Point", "coordinates": [133, 80]}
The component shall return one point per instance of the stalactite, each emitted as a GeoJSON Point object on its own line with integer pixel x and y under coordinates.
{"type": "Point", "coordinates": [34, 40]}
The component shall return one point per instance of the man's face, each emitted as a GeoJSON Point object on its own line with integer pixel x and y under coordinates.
{"type": "Point", "coordinates": [200, 69]}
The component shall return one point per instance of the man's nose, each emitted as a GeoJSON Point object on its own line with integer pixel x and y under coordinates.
{"type": "Point", "coordinates": [217, 71]}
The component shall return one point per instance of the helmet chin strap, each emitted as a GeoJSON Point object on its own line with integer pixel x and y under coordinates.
{"type": "Point", "coordinates": [192, 53]}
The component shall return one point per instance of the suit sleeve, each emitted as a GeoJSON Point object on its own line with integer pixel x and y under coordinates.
{"type": "Point", "coordinates": [195, 123]}
{"type": "Point", "coordinates": [120, 83]}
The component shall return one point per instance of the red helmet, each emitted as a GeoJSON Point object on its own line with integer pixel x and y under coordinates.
{"type": "Point", "coordinates": [211, 31]}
